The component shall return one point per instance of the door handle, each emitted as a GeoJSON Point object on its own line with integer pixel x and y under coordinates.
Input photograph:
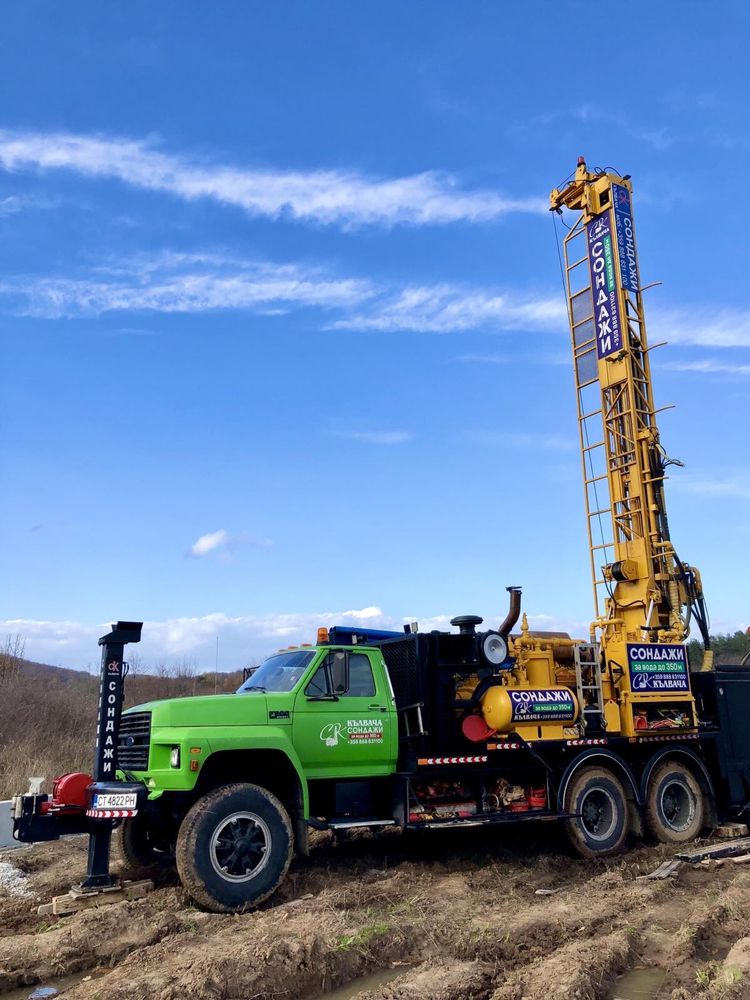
{"type": "Point", "coordinates": [382, 708]}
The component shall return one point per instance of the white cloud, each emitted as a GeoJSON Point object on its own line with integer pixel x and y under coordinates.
{"type": "Point", "coordinates": [733, 483]}
{"type": "Point", "coordinates": [450, 308]}
{"type": "Point", "coordinates": [224, 541]}
{"type": "Point", "coordinates": [521, 439]}
{"type": "Point", "coordinates": [184, 283]}
{"type": "Point", "coordinates": [207, 281]}
{"type": "Point", "coordinates": [9, 205]}
{"type": "Point", "coordinates": [709, 366]}
{"type": "Point", "coordinates": [242, 637]}
{"type": "Point", "coordinates": [509, 358]}
{"type": "Point", "coordinates": [377, 437]}
{"type": "Point", "coordinates": [701, 325]}
{"type": "Point", "coordinates": [199, 282]}
{"type": "Point", "coordinates": [346, 197]}
{"type": "Point", "coordinates": [210, 542]}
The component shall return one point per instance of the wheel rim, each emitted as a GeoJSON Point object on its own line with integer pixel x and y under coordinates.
{"type": "Point", "coordinates": [598, 814]}
{"type": "Point", "coordinates": [240, 847]}
{"type": "Point", "coordinates": [677, 805]}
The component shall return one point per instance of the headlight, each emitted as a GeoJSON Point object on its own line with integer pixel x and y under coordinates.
{"type": "Point", "coordinates": [494, 648]}
{"type": "Point", "coordinates": [174, 757]}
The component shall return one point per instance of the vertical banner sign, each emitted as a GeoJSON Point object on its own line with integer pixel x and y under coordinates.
{"type": "Point", "coordinates": [657, 667]}
{"type": "Point", "coordinates": [604, 286]}
{"type": "Point", "coordinates": [110, 707]}
{"type": "Point", "coordinates": [626, 254]}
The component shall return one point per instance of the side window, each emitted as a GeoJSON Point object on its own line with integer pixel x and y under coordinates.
{"type": "Point", "coordinates": [318, 685]}
{"type": "Point", "coordinates": [361, 682]}
{"type": "Point", "coordinates": [350, 675]}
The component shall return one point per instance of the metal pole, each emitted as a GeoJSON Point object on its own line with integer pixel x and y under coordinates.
{"type": "Point", "coordinates": [105, 755]}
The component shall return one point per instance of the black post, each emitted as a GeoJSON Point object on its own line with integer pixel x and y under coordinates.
{"type": "Point", "coordinates": [105, 757]}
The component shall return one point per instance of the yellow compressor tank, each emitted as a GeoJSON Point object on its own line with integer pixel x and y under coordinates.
{"type": "Point", "coordinates": [508, 708]}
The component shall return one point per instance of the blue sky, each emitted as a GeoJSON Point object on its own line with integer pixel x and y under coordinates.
{"type": "Point", "coordinates": [283, 337]}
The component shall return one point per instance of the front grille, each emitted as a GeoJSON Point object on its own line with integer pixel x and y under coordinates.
{"type": "Point", "coordinates": [134, 740]}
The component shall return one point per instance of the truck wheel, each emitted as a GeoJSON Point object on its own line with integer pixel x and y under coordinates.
{"type": "Point", "coordinates": [234, 848]}
{"type": "Point", "coordinates": [675, 805]}
{"type": "Point", "coordinates": [600, 824]}
{"type": "Point", "coordinates": [137, 846]}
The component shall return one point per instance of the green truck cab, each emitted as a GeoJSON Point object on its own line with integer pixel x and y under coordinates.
{"type": "Point", "coordinates": [235, 781]}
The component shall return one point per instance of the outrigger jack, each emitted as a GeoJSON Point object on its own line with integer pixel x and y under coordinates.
{"type": "Point", "coordinates": [85, 804]}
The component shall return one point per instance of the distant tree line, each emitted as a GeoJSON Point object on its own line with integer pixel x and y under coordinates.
{"type": "Point", "coordinates": [729, 648]}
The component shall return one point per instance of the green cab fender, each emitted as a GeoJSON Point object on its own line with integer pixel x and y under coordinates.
{"type": "Point", "coordinates": [235, 743]}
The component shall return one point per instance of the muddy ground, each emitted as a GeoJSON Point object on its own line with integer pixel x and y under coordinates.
{"type": "Point", "coordinates": [452, 917]}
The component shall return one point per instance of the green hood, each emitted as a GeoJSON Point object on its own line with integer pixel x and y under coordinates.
{"type": "Point", "coordinates": [208, 710]}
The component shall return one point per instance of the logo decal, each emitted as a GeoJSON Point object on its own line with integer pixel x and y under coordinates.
{"type": "Point", "coordinates": [356, 731]}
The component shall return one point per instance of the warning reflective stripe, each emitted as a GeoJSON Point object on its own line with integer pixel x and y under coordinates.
{"type": "Point", "coordinates": [674, 734]}
{"type": "Point", "coordinates": [451, 760]}
{"type": "Point", "coordinates": [586, 743]}
{"type": "Point", "coordinates": [111, 813]}
{"type": "Point", "coordinates": [503, 746]}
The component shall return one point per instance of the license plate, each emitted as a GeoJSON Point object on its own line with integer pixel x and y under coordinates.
{"type": "Point", "coordinates": [127, 800]}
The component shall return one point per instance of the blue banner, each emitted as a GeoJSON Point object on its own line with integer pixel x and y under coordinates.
{"type": "Point", "coordinates": [658, 667]}
{"type": "Point", "coordinates": [607, 324]}
{"type": "Point", "coordinates": [626, 253]}
{"type": "Point", "coordinates": [542, 705]}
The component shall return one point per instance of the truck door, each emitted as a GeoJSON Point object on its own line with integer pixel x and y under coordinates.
{"type": "Point", "coordinates": [344, 718]}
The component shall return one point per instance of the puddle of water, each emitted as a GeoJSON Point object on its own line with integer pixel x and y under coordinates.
{"type": "Point", "coordinates": [60, 985]}
{"type": "Point", "coordinates": [638, 984]}
{"type": "Point", "coordinates": [368, 982]}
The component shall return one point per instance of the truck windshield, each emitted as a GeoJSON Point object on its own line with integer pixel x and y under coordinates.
{"type": "Point", "coordinates": [278, 673]}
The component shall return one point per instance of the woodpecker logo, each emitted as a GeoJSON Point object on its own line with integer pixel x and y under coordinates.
{"type": "Point", "coordinates": [113, 668]}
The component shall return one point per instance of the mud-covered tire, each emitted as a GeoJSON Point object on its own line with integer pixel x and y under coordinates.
{"type": "Point", "coordinates": [600, 823]}
{"type": "Point", "coordinates": [138, 848]}
{"type": "Point", "coordinates": [675, 804]}
{"type": "Point", "coordinates": [234, 848]}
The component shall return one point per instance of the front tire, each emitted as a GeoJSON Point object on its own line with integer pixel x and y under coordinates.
{"type": "Point", "coordinates": [234, 848]}
{"type": "Point", "coordinates": [675, 804]}
{"type": "Point", "coordinates": [600, 823]}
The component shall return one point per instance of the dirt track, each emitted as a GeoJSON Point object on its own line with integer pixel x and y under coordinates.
{"type": "Point", "coordinates": [454, 918]}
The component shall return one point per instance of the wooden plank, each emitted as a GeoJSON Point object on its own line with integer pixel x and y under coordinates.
{"type": "Point", "coordinates": [725, 850]}
{"type": "Point", "coordinates": [665, 869]}
{"type": "Point", "coordinates": [78, 899]}
{"type": "Point", "coordinates": [732, 830]}
{"type": "Point", "coordinates": [741, 860]}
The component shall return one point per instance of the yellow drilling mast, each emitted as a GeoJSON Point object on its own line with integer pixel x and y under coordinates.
{"type": "Point", "coordinates": [644, 594]}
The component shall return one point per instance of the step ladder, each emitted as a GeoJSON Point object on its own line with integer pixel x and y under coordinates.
{"type": "Point", "coordinates": [587, 657]}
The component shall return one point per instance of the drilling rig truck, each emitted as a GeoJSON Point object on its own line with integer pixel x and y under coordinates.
{"type": "Point", "coordinates": [611, 736]}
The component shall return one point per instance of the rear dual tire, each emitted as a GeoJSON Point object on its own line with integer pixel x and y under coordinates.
{"type": "Point", "coordinates": [675, 804]}
{"type": "Point", "coordinates": [234, 848]}
{"type": "Point", "coordinates": [599, 822]}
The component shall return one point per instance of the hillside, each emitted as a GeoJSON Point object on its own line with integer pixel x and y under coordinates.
{"type": "Point", "coordinates": [48, 714]}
